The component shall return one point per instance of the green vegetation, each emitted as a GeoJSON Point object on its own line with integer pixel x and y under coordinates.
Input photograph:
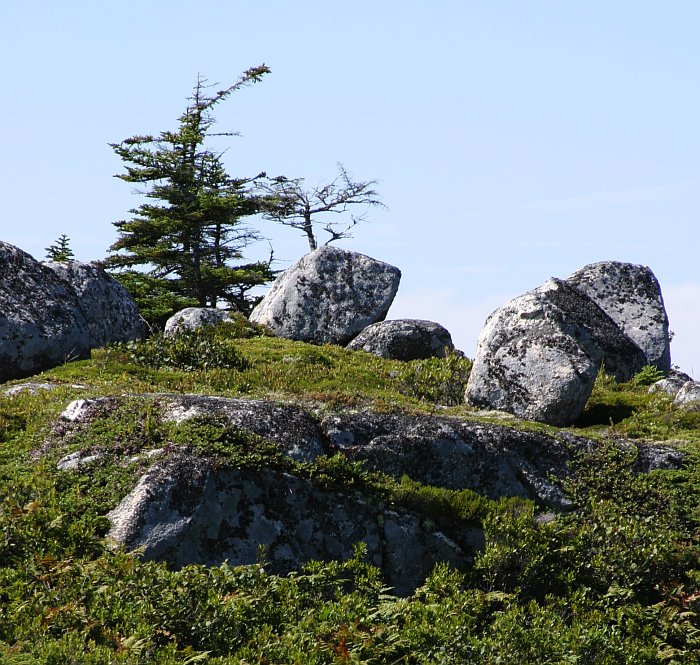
{"type": "Point", "coordinates": [60, 251]}
{"type": "Point", "coordinates": [617, 580]}
{"type": "Point", "coordinates": [191, 236]}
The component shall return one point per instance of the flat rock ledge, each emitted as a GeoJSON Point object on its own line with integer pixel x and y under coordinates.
{"type": "Point", "coordinates": [188, 508]}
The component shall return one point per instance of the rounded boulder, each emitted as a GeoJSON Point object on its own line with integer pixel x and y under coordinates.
{"type": "Point", "coordinates": [404, 339]}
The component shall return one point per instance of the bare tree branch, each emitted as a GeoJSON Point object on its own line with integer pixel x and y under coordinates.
{"type": "Point", "coordinates": [285, 200]}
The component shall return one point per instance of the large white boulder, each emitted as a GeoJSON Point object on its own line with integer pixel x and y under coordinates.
{"type": "Point", "coordinates": [42, 323]}
{"type": "Point", "coordinates": [631, 296]}
{"type": "Point", "coordinates": [111, 311]}
{"type": "Point", "coordinates": [538, 356]}
{"type": "Point", "coordinates": [328, 296]}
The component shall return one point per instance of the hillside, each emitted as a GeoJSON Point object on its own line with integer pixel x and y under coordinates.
{"type": "Point", "coordinates": [607, 573]}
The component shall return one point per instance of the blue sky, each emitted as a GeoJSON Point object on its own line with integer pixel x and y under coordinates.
{"type": "Point", "coordinates": [512, 141]}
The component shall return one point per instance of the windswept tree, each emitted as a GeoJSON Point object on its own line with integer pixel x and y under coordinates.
{"type": "Point", "coordinates": [188, 239]}
{"type": "Point", "coordinates": [286, 201]}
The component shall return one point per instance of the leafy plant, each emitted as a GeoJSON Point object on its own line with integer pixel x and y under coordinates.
{"type": "Point", "coordinates": [647, 375]}
{"type": "Point", "coordinates": [441, 380]}
{"type": "Point", "coordinates": [203, 348]}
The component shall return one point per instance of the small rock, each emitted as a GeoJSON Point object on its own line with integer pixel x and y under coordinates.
{"type": "Point", "coordinates": [192, 318]}
{"type": "Point", "coordinates": [404, 339]}
{"type": "Point", "coordinates": [76, 460]}
{"type": "Point", "coordinates": [79, 409]}
{"type": "Point", "coordinates": [30, 387]}
{"type": "Point", "coordinates": [671, 384]}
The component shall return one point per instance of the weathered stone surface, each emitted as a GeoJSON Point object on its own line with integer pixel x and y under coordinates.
{"type": "Point", "coordinates": [189, 508]}
{"type": "Point", "coordinates": [192, 318]}
{"type": "Point", "coordinates": [537, 357]}
{"type": "Point", "coordinates": [185, 510]}
{"type": "Point", "coordinates": [631, 296]}
{"type": "Point", "coordinates": [404, 339]}
{"type": "Point", "coordinates": [492, 460]}
{"type": "Point", "coordinates": [294, 430]}
{"type": "Point", "coordinates": [32, 388]}
{"type": "Point", "coordinates": [328, 296]}
{"type": "Point", "coordinates": [42, 323]}
{"type": "Point", "coordinates": [80, 410]}
{"type": "Point", "coordinates": [111, 311]}
{"type": "Point", "coordinates": [671, 384]}
{"type": "Point", "coordinates": [689, 396]}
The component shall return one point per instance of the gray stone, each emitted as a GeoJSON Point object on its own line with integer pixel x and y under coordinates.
{"type": "Point", "coordinates": [77, 460]}
{"type": "Point", "coordinates": [630, 294]}
{"type": "Point", "coordinates": [191, 508]}
{"type": "Point", "coordinates": [192, 318]}
{"type": "Point", "coordinates": [42, 323]}
{"type": "Point", "coordinates": [671, 384]}
{"type": "Point", "coordinates": [80, 410]}
{"type": "Point", "coordinates": [688, 396]}
{"type": "Point", "coordinates": [31, 387]}
{"type": "Point", "coordinates": [185, 510]}
{"type": "Point", "coordinates": [492, 460]}
{"type": "Point", "coordinates": [328, 296]}
{"type": "Point", "coordinates": [111, 311]}
{"type": "Point", "coordinates": [295, 432]}
{"type": "Point", "coordinates": [404, 339]}
{"type": "Point", "coordinates": [537, 357]}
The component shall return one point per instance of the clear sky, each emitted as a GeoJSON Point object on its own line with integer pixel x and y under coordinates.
{"type": "Point", "coordinates": [512, 141]}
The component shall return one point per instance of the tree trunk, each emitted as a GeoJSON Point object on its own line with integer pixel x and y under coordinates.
{"type": "Point", "coordinates": [308, 229]}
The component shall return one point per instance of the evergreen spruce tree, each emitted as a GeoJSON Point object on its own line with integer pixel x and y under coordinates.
{"type": "Point", "coordinates": [60, 251]}
{"type": "Point", "coordinates": [189, 238]}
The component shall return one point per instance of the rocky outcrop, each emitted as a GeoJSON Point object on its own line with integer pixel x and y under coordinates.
{"type": "Point", "coordinates": [192, 318]}
{"type": "Point", "coordinates": [492, 460]}
{"type": "Point", "coordinates": [294, 430]}
{"type": "Point", "coordinates": [112, 313]}
{"type": "Point", "coordinates": [328, 296]}
{"type": "Point", "coordinates": [631, 296]}
{"type": "Point", "coordinates": [186, 510]}
{"type": "Point", "coordinates": [42, 322]}
{"type": "Point", "coordinates": [538, 355]}
{"type": "Point", "coordinates": [191, 507]}
{"type": "Point", "coordinates": [404, 339]}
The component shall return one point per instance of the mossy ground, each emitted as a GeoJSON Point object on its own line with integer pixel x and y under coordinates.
{"type": "Point", "coordinates": [615, 581]}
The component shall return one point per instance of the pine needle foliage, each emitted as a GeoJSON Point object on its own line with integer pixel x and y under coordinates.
{"type": "Point", "coordinates": [188, 239]}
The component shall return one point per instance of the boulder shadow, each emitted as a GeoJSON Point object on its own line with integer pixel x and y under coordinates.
{"type": "Point", "coordinates": [604, 414]}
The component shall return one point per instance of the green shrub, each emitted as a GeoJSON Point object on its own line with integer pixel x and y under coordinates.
{"type": "Point", "coordinates": [440, 380]}
{"type": "Point", "coordinates": [646, 376]}
{"type": "Point", "coordinates": [205, 348]}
